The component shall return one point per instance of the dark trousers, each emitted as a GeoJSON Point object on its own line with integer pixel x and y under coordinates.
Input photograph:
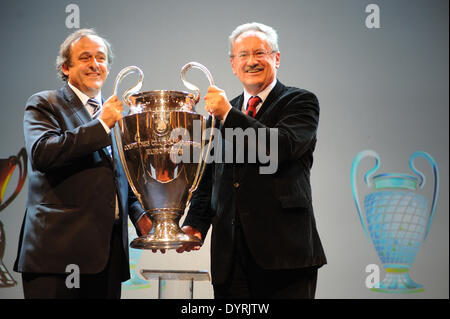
{"type": "Point", "coordinates": [104, 285]}
{"type": "Point", "coordinates": [248, 280]}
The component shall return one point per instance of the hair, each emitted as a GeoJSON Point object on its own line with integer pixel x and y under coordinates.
{"type": "Point", "coordinates": [63, 58]}
{"type": "Point", "coordinates": [272, 36]}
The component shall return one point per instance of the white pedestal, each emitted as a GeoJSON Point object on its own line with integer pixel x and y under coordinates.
{"type": "Point", "coordinates": [176, 284]}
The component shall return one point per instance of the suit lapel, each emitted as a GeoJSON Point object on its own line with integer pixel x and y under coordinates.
{"type": "Point", "coordinates": [238, 169]}
{"type": "Point", "coordinates": [268, 104]}
{"type": "Point", "coordinates": [238, 104]}
{"type": "Point", "coordinates": [264, 112]}
{"type": "Point", "coordinates": [80, 115]}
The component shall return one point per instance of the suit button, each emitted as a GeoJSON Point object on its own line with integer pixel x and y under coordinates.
{"type": "Point", "coordinates": [236, 185]}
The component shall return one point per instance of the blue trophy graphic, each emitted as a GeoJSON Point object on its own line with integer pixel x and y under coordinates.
{"type": "Point", "coordinates": [397, 217]}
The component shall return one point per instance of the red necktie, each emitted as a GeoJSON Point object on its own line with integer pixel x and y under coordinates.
{"type": "Point", "coordinates": [251, 105]}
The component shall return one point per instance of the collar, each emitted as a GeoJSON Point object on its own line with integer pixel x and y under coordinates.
{"type": "Point", "coordinates": [83, 97]}
{"type": "Point", "coordinates": [262, 95]}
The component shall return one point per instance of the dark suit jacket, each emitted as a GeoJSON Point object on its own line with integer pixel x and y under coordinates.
{"type": "Point", "coordinates": [72, 187]}
{"type": "Point", "coordinates": [274, 210]}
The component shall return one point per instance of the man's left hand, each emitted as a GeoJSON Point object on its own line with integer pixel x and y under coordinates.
{"type": "Point", "coordinates": [144, 224]}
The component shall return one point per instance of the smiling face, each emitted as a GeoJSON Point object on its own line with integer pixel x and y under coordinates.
{"type": "Point", "coordinates": [253, 61]}
{"type": "Point", "coordinates": [88, 68]}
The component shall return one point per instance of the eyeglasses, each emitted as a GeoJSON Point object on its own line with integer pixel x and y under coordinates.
{"type": "Point", "coordinates": [259, 55]}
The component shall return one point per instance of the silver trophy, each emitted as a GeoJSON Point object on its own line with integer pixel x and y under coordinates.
{"type": "Point", "coordinates": [397, 217]}
{"type": "Point", "coordinates": [162, 147]}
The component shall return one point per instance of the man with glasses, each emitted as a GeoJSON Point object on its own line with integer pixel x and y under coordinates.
{"type": "Point", "coordinates": [264, 240]}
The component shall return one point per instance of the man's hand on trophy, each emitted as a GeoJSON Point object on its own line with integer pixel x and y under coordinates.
{"type": "Point", "coordinates": [217, 103]}
{"type": "Point", "coordinates": [144, 224]}
{"type": "Point", "coordinates": [163, 251]}
{"type": "Point", "coordinates": [193, 232]}
{"type": "Point", "coordinates": [111, 111]}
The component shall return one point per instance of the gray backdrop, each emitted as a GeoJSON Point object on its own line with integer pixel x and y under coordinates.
{"type": "Point", "coordinates": [384, 89]}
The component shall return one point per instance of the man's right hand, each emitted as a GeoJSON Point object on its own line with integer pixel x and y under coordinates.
{"type": "Point", "coordinates": [217, 102]}
{"type": "Point", "coordinates": [111, 111]}
{"type": "Point", "coordinates": [187, 247]}
{"type": "Point", "coordinates": [193, 232]}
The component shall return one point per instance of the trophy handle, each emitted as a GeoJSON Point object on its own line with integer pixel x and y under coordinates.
{"type": "Point", "coordinates": [134, 89]}
{"type": "Point", "coordinates": [16, 160]}
{"type": "Point", "coordinates": [126, 95]}
{"type": "Point", "coordinates": [193, 87]}
{"type": "Point", "coordinates": [422, 182]}
{"type": "Point", "coordinates": [358, 158]}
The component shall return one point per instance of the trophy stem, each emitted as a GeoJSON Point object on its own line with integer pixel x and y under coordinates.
{"type": "Point", "coordinates": [165, 233]}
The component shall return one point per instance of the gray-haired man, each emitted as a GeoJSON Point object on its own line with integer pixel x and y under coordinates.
{"type": "Point", "coordinates": [264, 240]}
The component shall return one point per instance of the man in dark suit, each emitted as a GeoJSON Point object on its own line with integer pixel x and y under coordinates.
{"type": "Point", "coordinates": [264, 240]}
{"type": "Point", "coordinates": [74, 241]}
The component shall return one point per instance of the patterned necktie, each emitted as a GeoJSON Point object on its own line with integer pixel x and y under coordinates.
{"type": "Point", "coordinates": [251, 105]}
{"type": "Point", "coordinates": [94, 106]}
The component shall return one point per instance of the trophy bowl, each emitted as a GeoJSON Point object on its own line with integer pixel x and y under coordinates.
{"type": "Point", "coordinates": [161, 149]}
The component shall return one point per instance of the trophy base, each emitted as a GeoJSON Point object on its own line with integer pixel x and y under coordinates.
{"type": "Point", "coordinates": [153, 242]}
{"type": "Point", "coordinates": [165, 233]}
{"type": "Point", "coordinates": [398, 281]}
